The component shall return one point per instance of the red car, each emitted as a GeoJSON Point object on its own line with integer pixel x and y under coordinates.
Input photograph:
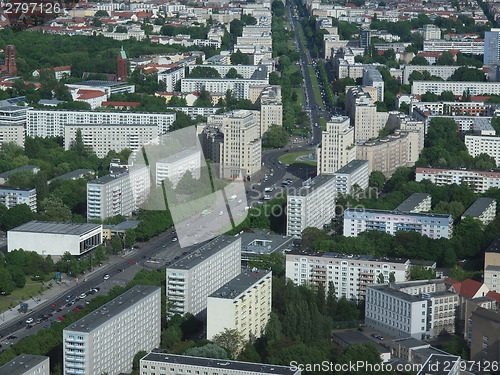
{"type": "Point", "coordinates": [60, 317]}
{"type": "Point", "coordinates": [53, 305]}
{"type": "Point", "coordinates": [76, 310]}
{"type": "Point", "coordinates": [130, 261]}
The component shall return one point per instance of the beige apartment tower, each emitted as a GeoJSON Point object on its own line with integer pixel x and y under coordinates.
{"type": "Point", "coordinates": [337, 147]}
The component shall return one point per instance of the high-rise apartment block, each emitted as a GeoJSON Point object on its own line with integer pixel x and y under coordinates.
{"type": "Point", "coordinates": [154, 363]}
{"type": "Point", "coordinates": [244, 304]}
{"type": "Point", "coordinates": [171, 76]}
{"type": "Point", "coordinates": [106, 340]}
{"type": "Point", "coordinates": [492, 47]}
{"type": "Point", "coordinates": [51, 123]}
{"type": "Point", "coordinates": [312, 205]}
{"type": "Point", "coordinates": [431, 32]}
{"type": "Point", "coordinates": [194, 277]}
{"type": "Point", "coordinates": [478, 144]}
{"type": "Point", "coordinates": [12, 124]}
{"type": "Point", "coordinates": [176, 165]}
{"type": "Point", "coordinates": [416, 133]}
{"type": "Point", "coordinates": [349, 274]}
{"type": "Point", "coordinates": [364, 37]}
{"type": "Point", "coordinates": [478, 180]}
{"type": "Point", "coordinates": [413, 308]}
{"type": "Point", "coordinates": [13, 196]}
{"type": "Point", "coordinates": [358, 220]}
{"type": "Point", "coordinates": [119, 193]}
{"type": "Point", "coordinates": [27, 364]}
{"type": "Point", "coordinates": [102, 138]}
{"type": "Point", "coordinates": [271, 109]}
{"type": "Point", "coordinates": [373, 78]}
{"type": "Point", "coordinates": [354, 175]}
{"type": "Point", "coordinates": [337, 147]}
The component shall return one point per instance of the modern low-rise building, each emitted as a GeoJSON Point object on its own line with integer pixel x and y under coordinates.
{"type": "Point", "coordinates": [467, 46]}
{"type": "Point", "coordinates": [154, 362]}
{"type": "Point", "coordinates": [358, 220]}
{"type": "Point", "coordinates": [194, 277]}
{"type": "Point", "coordinates": [176, 165]}
{"type": "Point", "coordinates": [353, 175]}
{"type": "Point", "coordinates": [107, 339]}
{"type": "Point", "coordinates": [12, 196]}
{"type": "Point", "coordinates": [118, 193]}
{"type": "Point", "coordinates": [243, 303]}
{"type": "Point", "coordinates": [27, 364]}
{"type": "Point", "coordinates": [310, 205]}
{"type": "Point", "coordinates": [417, 202]}
{"type": "Point", "coordinates": [348, 274]}
{"type": "Point", "coordinates": [478, 180]}
{"type": "Point", "coordinates": [483, 209]}
{"type": "Point", "coordinates": [337, 146]}
{"type": "Point", "coordinates": [54, 238]}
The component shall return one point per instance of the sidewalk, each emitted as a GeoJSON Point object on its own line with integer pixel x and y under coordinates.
{"type": "Point", "coordinates": [57, 290]}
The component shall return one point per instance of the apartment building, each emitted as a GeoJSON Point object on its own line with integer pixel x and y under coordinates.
{"type": "Point", "coordinates": [176, 165]}
{"type": "Point", "coordinates": [467, 46]}
{"type": "Point", "coordinates": [416, 133]}
{"type": "Point", "coordinates": [240, 87]}
{"type": "Point", "coordinates": [492, 47]}
{"type": "Point", "coordinates": [256, 90]}
{"type": "Point", "coordinates": [12, 124]}
{"type": "Point", "coordinates": [12, 196]}
{"type": "Point", "coordinates": [441, 71]}
{"type": "Point", "coordinates": [431, 225]}
{"type": "Point", "coordinates": [473, 109]}
{"type": "Point", "coordinates": [118, 193]}
{"type": "Point", "coordinates": [478, 144]}
{"type": "Point", "coordinates": [484, 328]}
{"type": "Point", "coordinates": [247, 71]}
{"type": "Point", "coordinates": [354, 175]}
{"type": "Point", "coordinates": [102, 138]}
{"type": "Point", "coordinates": [483, 209]}
{"type": "Point", "coordinates": [176, 364]}
{"type": "Point", "coordinates": [50, 123]}
{"type": "Point", "coordinates": [456, 87]}
{"type": "Point", "coordinates": [349, 274]}
{"type": "Point", "coordinates": [271, 109]}
{"type": "Point", "coordinates": [4, 177]}
{"type": "Point", "coordinates": [337, 148]}
{"type": "Point", "coordinates": [478, 180]}
{"type": "Point", "coordinates": [27, 364]}
{"type": "Point", "coordinates": [387, 154]}
{"type": "Point", "coordinates": [242, 144]}
{"type": "Point", "coordinates": [430, 32]}
{"type": "Point", "coordinates": [310, 205]}
{"type": "Point", "coordinates": [244, 304]}
{"type": "Point", "coordinates": [107, 339]}
{"type": "Point", "coordinates": [414, 308]}
{"type": "Point", "coordinates": [194, 277]}
{"type": "Point", "coordinates": [171, 76]}
{"type": "Point", "coordinates": [417, 202]}
{"type": "Point", "coordinates": [373, 78]}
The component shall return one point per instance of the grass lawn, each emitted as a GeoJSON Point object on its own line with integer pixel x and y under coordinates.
{"type": "Point", "coordinates": [302, 36]}
{"type": "Point", "coordinates": [314, 82]}
{"type": "Point", "coordinates": [322, 122]}
{"type": "Point", "coordinates": [20, 295]}
{"type": "Point", "coordinates": [291, 157]}
{"type": "Point", "coordinates": [300, 96]}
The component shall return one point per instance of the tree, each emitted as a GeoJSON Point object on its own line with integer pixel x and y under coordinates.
{"type": "Point", "coordinates": [236, 28]}
{"type": "Point", "coordinates": [276, 137]}
{"type": "Point", "coordinates": [429, 97]}
{"type": "Point", "coordinates": [309, 236]}
{"type": "Point", "coordinates": [239, 58]}
{"type": "Point", "coordinates": [468, 74]}
{"type": "Point", "coordinates": [392, 277]}
{"type": "Point", "coordinates": [79, 146]}
{"type": "Point", "coordinates": [422, 273]}
{"type": "Point", "coordinates": [380, 278]}
{"type": "Point", "coordinates": [130, 237]}
{"type": "Point", "coordinates": [7, 286]}
{"type": "Point", "coordinates": [204, 72]}
{"type": "Point", "coordinates": [377, 180]}
{"type": "Point", "coordinates": [448, 96]}
{"type": "Point", "coordinates": [116, 244]}
{"type": "Point", "coordinates": [177, 101]}
{"type": "Point", "coordinates": [204, 100]}
{"type": "Point", "coordinates": [17, 275]}
{"type": "Point", "coordinates": [446, 58]}
{"type": "Point", "coordinates": [97, 22]}
{"type": "Point", "coordinates": [101, 13]}
{"type": "Point", "coordinates": [207, 351]}
{"type": "Point", "coordinates": [419, 60]}
{"type": "Point", "coordinates": [55, 210]}
{"type": "Point", "coordinates": [231, 339]}
{"type": "Point", "coordinates": [232, 74]}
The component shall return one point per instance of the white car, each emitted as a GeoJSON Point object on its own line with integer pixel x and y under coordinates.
{"type": "Point", "coordinates": [29, 320]}
{"type": "Point", "coordinates": [82, 296]}
{"type": "Point", "coordinates": [106, 277]}
{"type": "Point", "coordinates": [174, 239]}
{"type": "Point", "coordinates": [221, 213]}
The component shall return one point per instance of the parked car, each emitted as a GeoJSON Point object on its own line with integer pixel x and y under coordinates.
{"type": "Point", "coordinates": [106, 277]}
{"type": "Point", "coordinates": [29, 320]}
{"type": "Point", "coordinates": [82, 296]}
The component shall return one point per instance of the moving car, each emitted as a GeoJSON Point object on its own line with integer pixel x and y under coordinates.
{"type": "Point", "coordinates": [106, 277]}
{"type": "Point", "coordinates": [29, 320]}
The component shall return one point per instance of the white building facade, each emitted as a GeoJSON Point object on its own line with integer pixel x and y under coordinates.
{"type": "Point", "coordinates": [13, 196]}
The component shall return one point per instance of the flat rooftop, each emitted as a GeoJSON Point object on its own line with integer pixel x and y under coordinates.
{"type": "Point", "coordinates": [233, 288]}
{"type": "Point", "coordinates": [388, 212]}
{"type": "Point", "coordinates": [412, 201]}
{"type": "Point", "coordinates": [75, 229]}
{"type": "Point", "coordinates": [439, 364]}
{"type": "Point", "coordinates": [24, 167]}
{"type": "Point", "coordinates": [410, 342]}
{"type": "Point", "coordinates": [178, 156]}
{"type": "Point", "coordinates": [77, 173]}
{"type": "Point", "coordinates": [396, 293]}
{"type": "Point", "coordinates": [352, 166]}
{"type": "Point", "coordinates": [203, 253]}
{"type": "Point", "coordinates": [113, 308]}
{"type": "Point", "coordinates": [17, 188]}
{"type": "Point", "coordinates": [264, 242]}
{"type": "Point", "coordinates": [219, 364]}
{"type": "Point", "coordinates": [22, 364]}
{"type": "Point", "coordinates": [478, 207]}
{"type": "Point", "coordinates": [316, 182]}
{"type": "Point", "coordinates": [347, 256]}
{"type": "Point", "coordinates": [97, 83]}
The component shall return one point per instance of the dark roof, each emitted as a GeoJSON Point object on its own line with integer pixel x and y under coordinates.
{"type": "Point", "coordinates": [78, 173]}
{"type": "Point", "coordinates": [257, 368]}
{"type": "Point", "coordinates": [369, 210]}
{"type": "Point", "coordinates": [240, 283]}
{"type": "Point", "coordinates": [478, 207]}
{"type": "Point", "coordinates": [348, 256]}
{"type": "Point", "coordinates": [203, 252]}
{"type": "Point", "coordinates": [263, 242]}
{"type": "Point", "coordinates": [494, 246]}
{"type": "Point", "coordinates": [24, 167]}
{"type": "Point", "coordinates": [22, 364]}
{"type": "Point", "coordinates": [439, 364]}
{"type": "Point", "coordinates": [412, 201]}
{"type": "Point", "coordinates": [4, 187]}
{"type": "Point", "coordinates": [410, 342]}
{"type": "Point", "coordinates": [396, 293]}
{"type": "Point", "coordinates": [305, 189]}
{"type": "Point", "coordinates": [114, 307]}
{"type": "Point", "coordinates": [356, 337]}
{"type": "Point", "coordinates": [487, 314]}
{"type": "Point", "coordinates": [52, 227]}
{"type": "Point", "coordinates": [351, 166]}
